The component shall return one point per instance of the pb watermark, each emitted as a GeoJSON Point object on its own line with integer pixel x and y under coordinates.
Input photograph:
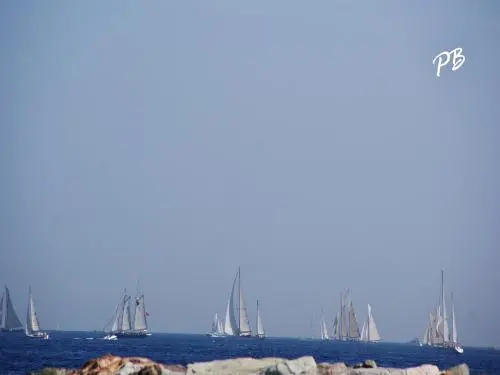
{"type": "Point", "coordinates": [444, 58]}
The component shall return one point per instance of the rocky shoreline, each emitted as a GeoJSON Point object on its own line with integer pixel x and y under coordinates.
{"type": "Point", "coordinates": [113, 365]}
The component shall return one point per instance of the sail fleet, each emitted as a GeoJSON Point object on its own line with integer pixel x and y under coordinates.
{"type": "Point", "coordinates": [236, 321]}
{"type": "Point", "coordinates": [131, 321]}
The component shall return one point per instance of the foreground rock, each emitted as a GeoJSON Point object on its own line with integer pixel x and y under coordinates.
{"type": "Point", "coordinates": [113, 365]}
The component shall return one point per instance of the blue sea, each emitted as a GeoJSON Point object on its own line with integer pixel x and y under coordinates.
{"type": "Point", "coordinates": [19, 354]}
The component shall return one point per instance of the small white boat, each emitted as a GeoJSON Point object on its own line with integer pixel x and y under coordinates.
{"type": "Point", "coordinates": [110, 337]}
{"type": "Point", "coordinates": [32, 324]}
{"type": "Point", "coordinates": [217, 330]}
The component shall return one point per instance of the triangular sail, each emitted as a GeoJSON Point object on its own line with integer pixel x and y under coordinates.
{"type": "Point", "coordinates": [244, 323]}
{"type": "Point", "coordinates": [335, 331]}
{"type": "Point", "coordinates": [353, 323]}
{"type": "Point", "coordinates": [454, 338]}
{"type": "Point", "coordinates": [10, 321]}
{"type": "Point", "coordinates": [220, 330]}
{"type": "Point", "coordinates": [260, 327]}
{"type": "Point", "coordinates": [364, 335]}
{"type": "Point", "coordinates": [230, 325]}
{"type": "Point", "coordinates": [372, 333]}
{"type": "Point", "coordinates": [324, 330]}
{"type": "Point", "coordinates": [115, 324]}
{"type": "Point", "coordinates": [215, 323]}
{"type": "Point", "coordinates": [32, 324]}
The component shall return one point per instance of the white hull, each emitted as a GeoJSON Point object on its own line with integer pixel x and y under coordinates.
{"type": "Point", "coordinates": [38, 335]}
{"type": "Point", "coordinates": [110, 337]}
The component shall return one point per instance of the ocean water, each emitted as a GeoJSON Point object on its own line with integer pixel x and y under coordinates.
{"type": "Point", "coordinates": [19, 354]}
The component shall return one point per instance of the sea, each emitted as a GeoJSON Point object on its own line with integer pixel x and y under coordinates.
{"type": "Point", "coordinates": [20, 355]}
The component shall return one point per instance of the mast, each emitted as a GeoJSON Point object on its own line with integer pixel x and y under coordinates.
{"type": "Point", "coordinates": [341, 330]}
{"type": "Point", "coordinates": [239, 299]}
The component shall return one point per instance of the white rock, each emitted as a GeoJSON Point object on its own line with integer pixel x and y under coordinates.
{"type": "Point", "coordinates": [239, 366]}
{"type": "Point", "coordinates": [299, 366]}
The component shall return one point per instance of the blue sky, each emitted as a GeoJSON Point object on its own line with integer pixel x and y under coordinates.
{"type": "Point", "coordinates": [313, 145]}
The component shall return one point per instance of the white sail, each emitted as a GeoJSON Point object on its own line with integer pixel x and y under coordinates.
{"type": "Point", "coordinates": [32, 324]}
{"type": "Point", "coordinates": [215, 323]}
{"type": "Point", "coordinates": [115, 324]}
{"type": "Point", "coordinates": [126, 321]}
{"type": "Point", "coordinates": [10, 320]}
{"type": "Point", "coordinates": [372, 332]}
{"type": "Point", "coordinates": [454, 338]}
{"type": "Point", "coordinates": [244, 323]}
{"type": "Point", "coordinates": [324, 330]}
{"type": "Point", "coordinates": [353, 323]}
{"type": "Point", "coordinates": [335, 331]}
{"type": "Point", "coordinates": [444, 319]}
{"type": "Point", "coordinates": [220, 330]}
{"type": "Point", "coordinates": [140, 322]}
{"type": "Point", "coordinates": [260, 328]}
{"type": "Point", "coordinates": [228, 327]}
{"type": "Point", "coordinates": [364, 336]}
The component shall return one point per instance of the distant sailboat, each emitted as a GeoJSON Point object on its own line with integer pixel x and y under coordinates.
{"type": "Point", "coordinates": [437, 333]}
{"type": "Point", "coordinates": [347, 328]}
{"type": "Point", "coordinates": [217, 330]}
{"type": "Point", "coordinates": [260, 328]}
{"type": "Point", "coordinates": [122, 325]}
{"type": "Point", "coordinates": [336, 326]}
{"type": "Point", "coordinates": [237, 324]}
{"type": "Point", "coordinates": [369, 332]}
{"type": "Point", "coordinates": [9, 322]}
{"type": "Point", "coordinates": [32, 323]}
{"type": "Point", "coordinates": [324, 330]}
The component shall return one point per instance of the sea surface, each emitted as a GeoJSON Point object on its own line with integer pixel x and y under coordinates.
{"type": "Point", "coordinates": [19, 354]}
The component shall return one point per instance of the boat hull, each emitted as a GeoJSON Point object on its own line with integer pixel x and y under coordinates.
{"type": "Point", "coordinates": [132, 335]}
{"type": "Point", "coordinates": [38, 335]}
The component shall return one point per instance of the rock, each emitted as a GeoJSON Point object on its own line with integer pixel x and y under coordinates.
{"type": "Point", "coordinates": [358, 365]}
{"type": "Point", "coordinates": [240, 366]}
{"type": "Point", "coordinates": [303, 365]}
{"type": "Point", "coordinates": [369, 363]}
{"type": "Point", "coordinates": [462, 369]}
{"type": "Point", "coordinates": [331, 368]}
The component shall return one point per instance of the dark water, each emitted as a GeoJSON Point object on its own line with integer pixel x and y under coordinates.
{"type": "Point", "coordinates": [19, 354]}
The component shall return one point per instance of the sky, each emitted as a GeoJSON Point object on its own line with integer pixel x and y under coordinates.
{"type": "Point", "coordinates": [311, 144]}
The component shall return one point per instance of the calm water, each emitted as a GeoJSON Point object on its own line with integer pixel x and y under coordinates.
{"type": "Point", "coordinates": [19, 354]}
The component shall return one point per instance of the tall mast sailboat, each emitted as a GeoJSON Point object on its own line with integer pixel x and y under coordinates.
{"type": "Point", "coordinates": [122, 324]}
{"type": "Point", "coordinates": [32, 323]}
{"type": "Point", "coordinates": [346, 329]}
{"type": "Point", "coordinates": [237, 323]}
{"type": "Point", "coordinates": [9, 321]}
{"type": "Point", "coordinates": [437, 333]}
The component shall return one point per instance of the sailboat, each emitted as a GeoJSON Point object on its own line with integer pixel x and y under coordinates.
{"type": "Point", "coordinates": [324, 330]}
{"type": "Point", "coordinates": [336, 326]}
{"type": "Point", "coordinates": [369, 332]}
{"type": "Point", "coordinates": [260, 328]}
{"type": "Point", "coordinates": [122, 325]}
{"type": "Point", "coordinates": [32, 323]}
{"type": "Point", "coordinates": [237, 323]}
{"type": "Point", "coordinates": [217, 330]}
{"type": "Point", "coordinates": [437, 333]}
{"type": "Point", "coordinates": [347, 328]}
{"type": "Point", "coordinates": [9, 322]}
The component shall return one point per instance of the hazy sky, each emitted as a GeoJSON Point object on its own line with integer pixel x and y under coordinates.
{"type": "Point", "coordinates": [310, 143]}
